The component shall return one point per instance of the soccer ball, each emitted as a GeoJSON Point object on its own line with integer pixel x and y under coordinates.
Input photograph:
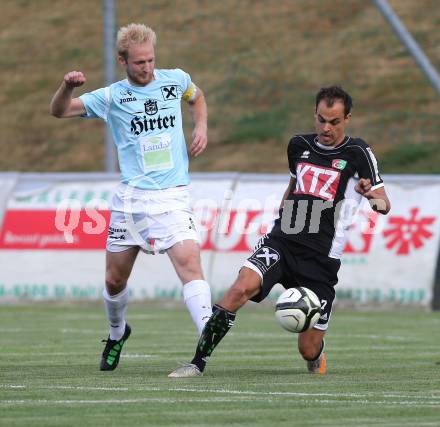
{"type": "Point", "coordinates": [297, 309]}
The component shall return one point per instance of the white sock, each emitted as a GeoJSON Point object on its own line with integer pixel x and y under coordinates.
{"type": "Point", "coordinates": [115, 307]}
{"type": "Point", "coordinates": [197, 297]}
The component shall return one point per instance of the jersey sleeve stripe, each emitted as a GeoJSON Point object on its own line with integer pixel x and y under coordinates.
{"type": "Point", "coordinates": [375, 187]}
{"type": "Point", "coordinates": [370, 163]}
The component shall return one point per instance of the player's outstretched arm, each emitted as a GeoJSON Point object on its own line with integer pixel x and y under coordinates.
{"type": "Point", "coordinates": [62, 104]}
{"type": "Point", "coordinates": [200, 117]}
{"type": "Point", "coordinates": [378, 198]}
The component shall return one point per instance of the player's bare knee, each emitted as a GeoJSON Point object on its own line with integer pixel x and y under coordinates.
{"type": "Point", "coordinates": [249, 281]}
{"type": "Point", "coordinates": [115, 282]}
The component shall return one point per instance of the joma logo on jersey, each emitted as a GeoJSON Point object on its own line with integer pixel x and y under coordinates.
{"type": "Point", "coordinates": [130, 99]}
{"type": "Point", "coordinates": [317, 181]}
{"type": "Point", "coordinates": [127, 96]}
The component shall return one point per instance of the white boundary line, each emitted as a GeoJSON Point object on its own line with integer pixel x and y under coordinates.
{"type": "Point", "coordinates": [214, 399]}
{"type": "Point", "coordinates": [119, 401]}
{"type": "Point", "coordinates": [340, 398]}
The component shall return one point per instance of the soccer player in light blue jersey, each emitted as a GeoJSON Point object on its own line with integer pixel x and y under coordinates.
{"type": "Point", "coordinates": [150, 209]}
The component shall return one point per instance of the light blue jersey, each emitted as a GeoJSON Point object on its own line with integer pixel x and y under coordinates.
{"type": "Point", "coordinates": [146, 124]}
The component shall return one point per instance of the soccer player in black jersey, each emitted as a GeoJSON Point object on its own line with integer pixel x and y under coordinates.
{"type": "Point", "coordinates": [330, 173]}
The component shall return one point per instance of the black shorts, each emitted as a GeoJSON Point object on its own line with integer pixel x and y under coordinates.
{"type": "Point", "coordinates": [282, 261]}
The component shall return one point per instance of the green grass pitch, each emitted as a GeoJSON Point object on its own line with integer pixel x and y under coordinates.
{"type": "Point", "coordinates": [383, 370]}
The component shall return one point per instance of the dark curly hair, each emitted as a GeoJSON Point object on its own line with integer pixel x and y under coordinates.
{"type": "Point", "coordinates": [334, 93]}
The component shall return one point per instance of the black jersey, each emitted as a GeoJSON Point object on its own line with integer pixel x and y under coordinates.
{"type": "Point", "coordinates": [319, 209]}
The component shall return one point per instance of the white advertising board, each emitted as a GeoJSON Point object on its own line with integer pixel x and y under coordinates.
{"type": "Point", "coordinates": [387, 259]}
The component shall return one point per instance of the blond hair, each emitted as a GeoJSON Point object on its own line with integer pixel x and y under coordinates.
{"type": "Point", "coordinates": [133, 34]}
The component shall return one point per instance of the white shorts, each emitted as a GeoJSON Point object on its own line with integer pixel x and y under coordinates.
{"type": "Point", "coordinates": [152, 220]}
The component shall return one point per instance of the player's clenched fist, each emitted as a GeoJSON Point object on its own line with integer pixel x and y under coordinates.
{"type": "Point", "coordinates": [74, 79]}
{"type": "Point", "coordinates": [363, 186]}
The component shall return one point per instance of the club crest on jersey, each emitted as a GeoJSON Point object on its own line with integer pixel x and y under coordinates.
{"type": "Point", "coordinates": [339, 164]}
{"type": "Point", "coordinates": [150, 107]}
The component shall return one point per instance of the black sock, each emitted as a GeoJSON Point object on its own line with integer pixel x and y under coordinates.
{"type": "Point", "coordinates": [215, 329]}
